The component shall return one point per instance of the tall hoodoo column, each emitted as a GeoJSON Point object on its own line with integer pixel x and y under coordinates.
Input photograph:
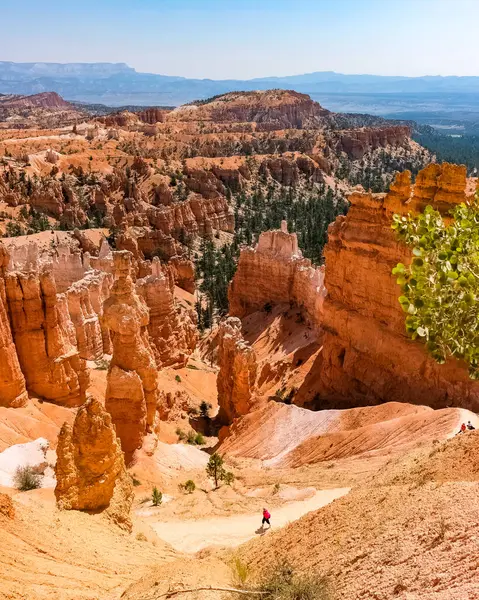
{"type": "Point", "coordinates": [132, 380]}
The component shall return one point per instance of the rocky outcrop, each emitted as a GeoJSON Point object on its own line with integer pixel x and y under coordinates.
{"type": "Point", "coordinates": [367, 357]}
{"type": "Point", "coordinates": [356, 142]}
{"type": "Point", "coordinates": [131, 394]}
{"type": "Point", "coordinates": [184, 273]}
{"type": "Point", "coordinates": [172, 329]}
{"type": "Point", "coordinates": [275, 272]}
{"type": "Point", "coordinates": [12, 382]}
{"type": "Point", "coordinates": [90, 468]}
{"type": "Point", "coordinates": [45, 338]}
{"type": "Point", "coordinates": [85, 304]}
{"type": "Point", "coordinates": [273, 108]}
{"type": "Point", "coordinates": [237, 374]}
{"type": "Point", "coordinates": [195, 216]}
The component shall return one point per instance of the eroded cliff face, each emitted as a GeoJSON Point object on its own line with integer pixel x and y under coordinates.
{"type": "Point", "coordinates": [90, 468]}
{"type": "Point", "coordinates": [12, 382]}
{"type": "Point", "coordinates": [45, 338]}
{"type": "Point", "coordinates": [275, 272]}
{"type": "Point", "coordinates": [357, 142]}
{"type": "Point", "coordinates": [237, 374]}
{"type": "Point", "coordinates": [131, 395]}
{"type": "Point", "coordinates": [367, 357]}
{"type": "Point", "coordinates": [172, 328]}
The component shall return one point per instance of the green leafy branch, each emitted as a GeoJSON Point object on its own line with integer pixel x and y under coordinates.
{"type": "Point", "coordinates": [440, 288]}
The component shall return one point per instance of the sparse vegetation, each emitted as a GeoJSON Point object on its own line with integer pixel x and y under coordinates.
{"type": "Point", "coordinates": [189, 486]}
{"type": "Point", "coordinates": [283, 583]}
{"type": "Point", "coordinates": [102, 364]}
{"type": "Point", "coordinates": [156, 497]}
{"type": "Point", "coordinates": [26, 479]}
{"type": "Point", "coordinates": [178, 379]}
{"type": "Point", "coordinates": [216, 471]}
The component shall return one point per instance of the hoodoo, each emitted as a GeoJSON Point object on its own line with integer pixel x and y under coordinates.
{"type": "Point", "coordinates": [131, 394]}
{"type": "Point", "coordinates": [90, 468]}
{"type": "Point", "coordinates": [238, 370]}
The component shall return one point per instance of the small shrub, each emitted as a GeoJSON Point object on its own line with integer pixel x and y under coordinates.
{"type": "Point", "coordinates": [190, 486]}
{"type": "Point", "coordinates": [240, 572]}
{"type": "Point", "coordinates": [181, 435]}
{"type": "Point", "coordinates": [156, 497]}
{"type": "Point", "coordinates": [268, 307]}
{"type": "Point", "coordinates": [191, 437]}
{"type": "Point", "coordinates": [178, 379]}
{"type": "Point", "coordinates": [102, 364]}
{"type": "Point", "coordinates": [205, 408]}
{"type": "Point", "coordinates": [136, 482]}
{"type": "Point", "coordinates": [199, 439]}
{"type": "Point", "coordinates": [284, 584]}
{"type": "Point", "coordinates": [192, 367]}
{"type": "Point", "coordinates": [228, 477]}
{"type": "Point", "coordinates": [26, 479]}
{"type": "Point", "coordinates": [141, 537]}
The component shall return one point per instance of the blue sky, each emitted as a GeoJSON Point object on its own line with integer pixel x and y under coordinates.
{"type": "Point", "coordinates": [223, 39]}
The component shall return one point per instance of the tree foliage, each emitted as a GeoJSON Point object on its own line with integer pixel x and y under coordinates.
{"type": "Point", "coordinates": [440, 288]}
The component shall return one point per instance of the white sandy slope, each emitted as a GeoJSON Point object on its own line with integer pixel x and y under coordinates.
{"type": "Point", "coordinates": [32, 454]}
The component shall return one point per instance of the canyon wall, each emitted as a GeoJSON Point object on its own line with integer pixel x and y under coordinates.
{"type": "Point", "coordinates": [367, 357]}
{"type": "Point", "coordinates": [45, 338]}
{"type": "Point", "coordinates": [237, 372]}
{"type": "Point", "coordinates": [275, 272]}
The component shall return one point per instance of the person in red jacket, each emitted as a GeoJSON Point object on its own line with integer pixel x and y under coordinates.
{"type": "Point", "coordinates": [266, 518]}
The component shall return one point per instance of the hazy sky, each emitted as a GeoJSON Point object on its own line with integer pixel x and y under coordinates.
{"type": "Point", "coordinates": [223, 39]}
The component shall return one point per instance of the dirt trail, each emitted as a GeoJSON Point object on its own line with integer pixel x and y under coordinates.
{"type": "Point", "coordinates": [190, 536]}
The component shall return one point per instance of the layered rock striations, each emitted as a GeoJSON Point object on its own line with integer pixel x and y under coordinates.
{"type": "Point", "coordinates": [12, 382]}
{"type": "Point", "coordinates": [275, 272]}
{"type": "Point", "coordinates": [367, 357]}
{"type": "Point", "coordinates": [172, 329]}
{"type": "Point", "coordinates": [357, 142]}
{"type": "Point", "coordinates": [237, 372]}
{"type": "Point", "coordinates": [90, 469]}
{"type": "Point", "coordinates": [45, 338]}
{"type": "Point", "coordinates": [131, 395]}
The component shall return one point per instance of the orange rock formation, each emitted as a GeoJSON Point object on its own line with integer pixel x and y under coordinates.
{"type": "Point", "coordinates": [90, 468]}
{"type": "Point", "coordinates": [367, 357]}
{"type": "Point", "coordinates": [275, 272]}
{"type": "Point", "coordinates": [45, 338]}
{"type": "Point", "coordinates": [237, 374]}
{"type": "Point", "coordinates": [172, 329]}
{"type": "Point", "coordinates": [131, 394]}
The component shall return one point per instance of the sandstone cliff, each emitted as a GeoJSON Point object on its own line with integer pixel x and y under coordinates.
{"type": "Point", "coordinates": [45, 338]}
{"type": "Point", "coordinates": [172, 329]}
{"type": "Point", "coordinates": [275, 272]}
{"type": "Point", "coordinates": [367, 357]}
{"type": "Point", "coordinates": [90, 468]}
{"type": "Point", "coordinates": [237, 374]}
{"type": "Point", "coordinates": [131, 394]}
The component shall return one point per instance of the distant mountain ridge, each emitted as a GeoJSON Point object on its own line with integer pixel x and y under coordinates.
{"type": "Point", "coordinates": [117, 84]}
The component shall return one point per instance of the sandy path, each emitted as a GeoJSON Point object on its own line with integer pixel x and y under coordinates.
{"type": "Point", "coordinates": [191, 536]}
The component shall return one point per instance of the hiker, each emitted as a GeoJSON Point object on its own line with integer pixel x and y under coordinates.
{"type": "Point", "coordinates": [266, 518]}
{"type": "Point", "coordinates": [463, 428]}
{"type": "Point", "coordinates": [470, 426]}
